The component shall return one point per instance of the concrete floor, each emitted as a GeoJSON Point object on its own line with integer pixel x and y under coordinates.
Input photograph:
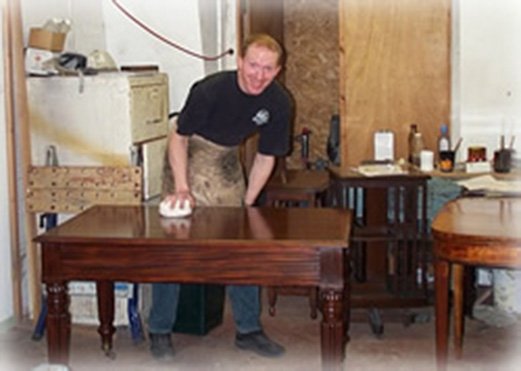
{"type": "Point", "coordinates": [401, 347]}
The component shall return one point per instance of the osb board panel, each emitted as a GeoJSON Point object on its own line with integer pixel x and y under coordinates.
{"type": "Point", "coordinates": [395, 70]}
{"type": "Point", "coordinates": [311, 42]}
{"type": "Point", "coordinates": [69, 189]}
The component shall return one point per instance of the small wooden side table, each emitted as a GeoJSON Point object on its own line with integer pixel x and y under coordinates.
{"type": "Point", "coordinates": [293, 188]}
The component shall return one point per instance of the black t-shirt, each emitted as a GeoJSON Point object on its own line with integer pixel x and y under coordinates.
{"type": "Point", "coordinates": [218, 110]}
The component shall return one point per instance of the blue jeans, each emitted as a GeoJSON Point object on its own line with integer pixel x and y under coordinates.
{"type": "Point", "coordinates": [245, 302]}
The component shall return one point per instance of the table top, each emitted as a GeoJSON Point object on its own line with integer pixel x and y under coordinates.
{"type": "Point", "coordinates": [482, 231]}
{"type": "Point", "coordinates": [134, 225]}
{"type": "Point", "coordinates": [480, 217]}
{"type": "Point", "coordinates": [415, 172]}
{"type": "Point", "coordinates": [410, 172]}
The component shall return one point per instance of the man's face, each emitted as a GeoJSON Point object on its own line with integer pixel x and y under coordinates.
{"type": "Point", "coordinates": [257, 69]}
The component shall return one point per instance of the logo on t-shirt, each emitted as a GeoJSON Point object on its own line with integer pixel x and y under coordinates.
{"type": "Point", "coordinates": [261, 117]}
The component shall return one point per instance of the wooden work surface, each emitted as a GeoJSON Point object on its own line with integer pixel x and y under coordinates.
{"type": "Point", "coordinates": [470, 232]}
{"type": "Point", "coordinates": [264, 246]}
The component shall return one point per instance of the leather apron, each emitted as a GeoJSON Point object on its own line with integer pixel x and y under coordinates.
{"type": "Point", "coordinates": [215, 174]}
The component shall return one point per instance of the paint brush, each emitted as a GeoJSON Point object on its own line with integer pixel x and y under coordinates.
{"type": "Point", "coordinates": [458, 144]}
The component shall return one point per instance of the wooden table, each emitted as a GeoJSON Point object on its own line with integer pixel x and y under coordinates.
{"type": "Point", "coordinates": [297, 185]}
{"type": "Point", "coordinates": [470, 232]}
{"type": "Point", "coordinates": [264, 246]}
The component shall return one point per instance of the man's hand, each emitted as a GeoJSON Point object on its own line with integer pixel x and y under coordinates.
{"type": "Point", "coordinates": [180, 196]}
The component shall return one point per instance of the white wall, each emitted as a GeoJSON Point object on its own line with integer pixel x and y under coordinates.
{"type": "Point", "coordinates": [489, 67]}
{"type": "Point", "coordinates": [6, 292]}
{"type": "Point", "coordinates": [99, 24]}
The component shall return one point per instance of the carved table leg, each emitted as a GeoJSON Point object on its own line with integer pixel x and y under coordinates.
{"type": "Point", "coordinates": [58, 323]}
{"type": "Point", "coordinates": [332, 329]}
{"type": "Point", "coordinates": [105, 291]}
{"type": "Point", "coordinates": [441, 285]}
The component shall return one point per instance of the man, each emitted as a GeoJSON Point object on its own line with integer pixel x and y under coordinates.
{"type": "Point", "coordinates": [221, 111]}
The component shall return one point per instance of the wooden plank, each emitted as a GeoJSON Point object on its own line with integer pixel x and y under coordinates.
{"type": "Point", "coordinates": [312, 71]}
{"type": "Point", "coordinates": [70, 189]}
{"type": "Point", "coordinates": [395, 70]}
{"type": "Point", "coordinates": [16, 261]}
{"type": "Point", "coordinates": [23, 151]}
{"type": "Point", "coordinates": [118, 178]}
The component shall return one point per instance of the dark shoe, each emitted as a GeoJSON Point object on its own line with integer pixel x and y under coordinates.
{"type": "Point", "coordinates": [161, 346]}
{"type": "Point", "coordinates": [259, 343]}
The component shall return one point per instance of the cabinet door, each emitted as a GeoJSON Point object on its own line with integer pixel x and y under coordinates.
{"type": "Point", "coordinates": [149, 108]}
{"type": "Point", "coordinates": [394, 71]}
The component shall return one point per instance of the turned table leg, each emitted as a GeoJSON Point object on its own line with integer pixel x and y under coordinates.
{"type": "Point", "coordinates": [58, 323]}
{"type": "Point", "coordinates": [105, 291]}
{"type": "Point", "coordinates": [332, 330]}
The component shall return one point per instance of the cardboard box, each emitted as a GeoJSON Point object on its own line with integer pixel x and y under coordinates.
{"type": "Point", "coordinates": [42, 39]}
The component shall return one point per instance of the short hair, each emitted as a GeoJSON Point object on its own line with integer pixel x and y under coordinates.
{"type": "Point", "coordinates": [265, 40]}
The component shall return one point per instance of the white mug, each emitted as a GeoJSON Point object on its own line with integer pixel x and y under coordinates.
{"type": "Point", "coordinates": [426, 160]}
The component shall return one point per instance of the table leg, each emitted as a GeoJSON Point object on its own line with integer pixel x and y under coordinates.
{"type": "Point", "coordinates": [58, 323]}
{"type": "Point", "coordinates": [105, 291]}
{"type": "Point", "coordinates": [441, 286]}
{"type": "Point", "coordinates": [459, 321]}
{"type": "Point", "coordinates": [332, 330]}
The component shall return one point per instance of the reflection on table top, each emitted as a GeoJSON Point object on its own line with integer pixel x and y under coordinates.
{"type": "Point", "coordinates": [473, 217]}
{"type": "Point", "coordinates": [228, 225]}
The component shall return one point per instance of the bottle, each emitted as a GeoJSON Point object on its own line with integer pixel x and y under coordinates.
{"type": "Point", "coordinates": [415, 142]}
{"type": "Point", "coordinates": [413, 129]}
{"type": "Point", "coordinates": [444, 139]}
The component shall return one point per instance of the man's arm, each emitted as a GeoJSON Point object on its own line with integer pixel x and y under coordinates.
{"type": "Point", "coordinates": [178, 160]}
{"type": "Point", "coordinates": [259, 175]}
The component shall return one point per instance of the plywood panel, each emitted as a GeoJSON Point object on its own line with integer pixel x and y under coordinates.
{"type": "Point", "coordinates": [311, 41]}
{"type": "Point", "coordinates": [395, 70]}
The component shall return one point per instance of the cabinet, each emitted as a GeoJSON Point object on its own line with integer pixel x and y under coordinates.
{"type": "Point", "coordinates": [390, 251]}
{"type": "Point", "coordinates": [113, 119]}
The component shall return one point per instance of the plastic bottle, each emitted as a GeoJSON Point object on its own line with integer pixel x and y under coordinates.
{"type": "Point", "coordinates": [415, 142]}
{"type": "Point", "coordinates": [444, 139]}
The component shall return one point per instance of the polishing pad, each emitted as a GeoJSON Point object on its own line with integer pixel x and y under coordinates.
{"type": "Point", "coordinates": [179, 210]}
